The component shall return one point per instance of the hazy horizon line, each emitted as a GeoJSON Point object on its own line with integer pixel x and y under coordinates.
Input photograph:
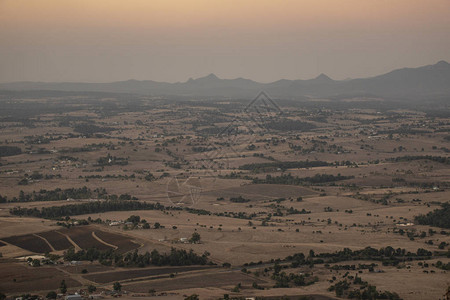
{"type": "Point", "coordinates": [221, 78]}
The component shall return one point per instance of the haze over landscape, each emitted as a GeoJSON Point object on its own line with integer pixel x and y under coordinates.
{"type": "Point", "coordinates": [263, 40]}
{"type": "Point", "coordinates": [431, 81]}
{"type": "Point", "coordinates": [224, 150]}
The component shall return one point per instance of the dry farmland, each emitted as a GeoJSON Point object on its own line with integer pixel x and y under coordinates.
{"type": "Point", "coordinates": [168, 198]}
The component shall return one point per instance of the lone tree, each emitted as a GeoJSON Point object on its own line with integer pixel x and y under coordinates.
{"type": "Point", "coordinates": [195, 238]}
{"type": "Point", "coordinates": [91, 288]}
{"type": "Point", "coordinates": [63, 287]}
{"type": "Point", "coordinates": [117, 286]}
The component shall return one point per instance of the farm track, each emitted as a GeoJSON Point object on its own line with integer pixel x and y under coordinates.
{"type": "Point", "coordinates": [77, 248]}
{"type": "Point", "coordinates": [103, 242]}
{"type": "Point", "coordinates": [45, 240]}
{"type": "Point", "coordinates": [77, 277]}
{"type": "Point", "coordinates": [160, 272]}
{"type": "Point", "coordinates": [194, 276]}
{"type": "Point", "coordinates": [112, 231]}
{"type": "Point", "coordinates": [181, 275]}
{"type": "Point", "coordinates": [152, 241]}
{"type": "Point", "coordinates": [79, 238]}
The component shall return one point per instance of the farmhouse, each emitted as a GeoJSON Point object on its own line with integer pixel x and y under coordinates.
{"type": "Point", "coordinates": [74, 297]}
{"type": "Point", "coordinates": [405, 224]}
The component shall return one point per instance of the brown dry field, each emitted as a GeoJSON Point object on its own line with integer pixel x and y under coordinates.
{"type": "Point", "coordinates": [18, 278]}
{"type": "Point", "coordinates": [341, 214]}
{"type": "Point", "coordinates": [106, 277]}
{"type": "Point", "coordinates": [223, 279]}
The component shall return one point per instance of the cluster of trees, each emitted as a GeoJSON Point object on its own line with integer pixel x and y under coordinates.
{"type": "Point", "coordinates": [355, 267]}
{"type": "Point", "coordinates": [150, 177]}
{"type": "Point", "coordinates": [72, 193]}
{"type": "Point", "coordinates": [176, 257]}
{"type": "Point", "coordinates": [387, 255]}
{"type": "Point", "coordinates": [283, 165]}
{"type": "Point", "coordinates": [142, 223]}
{"type": "Point", "coordinates": [283, 280]}
{"type": "Point", "coordinates": [110, 160]}
{"type": "Point", "coordinates": [371, 292]}
{"type": "Point", "coordinates": [236, 215]}
{"type": "Point", "coordinates": [40, 139]}
{"type": "Point", "coordinates": [294, 211]}
{"type": "Point", "coordinates": [228, 214]}
{"type": "Point", "coordinates": [37, 176]}
{"type": "Point", "coordinates": [239, 199]}
{"type": "Point", "coordinates": [57, 195]}
{"type": "Point", "coordinates": [235, 175]}
{"type": "Point", "coordinates": [340, 287]}
{"type": "Point", "coordinates": [439, 159]}
{"type": "Point", "coordinates": [289, 179]}
{"type": "Point", "coordinates": [443, 266]}
{"type": "Point", "coordinates": [60, 212]}
{"type": "Point", "coordinates": [9, 151]}
{"type": "Point", "coordinates": [281, 210]}
{"type": "Point", "coordinates": [57, 212]}
{"type": "Point", "coordinates": [195, 238]}
{"type": "Point", "coordinates": [290, 125]}
{"type": "Point", "coordinates": [365, 291]}
{"type": "Point", "coordinates": [87, 148]}
{"type": "Point", "coordinates": [198, 211]}
{"type": "Point", "coordinates": [438, 218]}
{"type": "Point", "coordinates": [108, 176]}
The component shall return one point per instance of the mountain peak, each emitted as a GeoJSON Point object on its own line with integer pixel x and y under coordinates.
{"type": "Point", "coordinates": [323, 77]}
{"type": "Point", "coordinates": [442, 63]}
{"type": "Point", "coordinates": [204, 79]}
{"type": "Point", "coordinates": [210, 76]}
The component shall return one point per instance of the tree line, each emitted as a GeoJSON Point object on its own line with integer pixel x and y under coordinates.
{"type": "Point", "coordinates": [57, 212]}
{"type": "Point", "coordinates": [439, 217]}
{"type": "Point", "coordinates": [290, 125]}
{"type": "Point", "coordinates": [176, 257]}
{"type": "Point", "coordinates": [439, 159]}
{"type": "Point", "coordinates": [60, 194]}
{"type": "Point", "coordinates": [9, 151]}
{"type": "Point", "coordinates": [387, 255]}
{"type": "Point", "coordinates": [283, 165]}
{"type": "Point", "coordinates": [289, 179]}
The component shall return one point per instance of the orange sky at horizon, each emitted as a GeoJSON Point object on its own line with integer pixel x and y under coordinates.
{"type": "Point", "coordinates": [136, 14]}
{"type": "Point", "coordinates": [218, 30]}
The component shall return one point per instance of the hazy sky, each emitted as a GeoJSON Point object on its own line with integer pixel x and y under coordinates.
{"type": "Point", "coordinates": [172, 40]}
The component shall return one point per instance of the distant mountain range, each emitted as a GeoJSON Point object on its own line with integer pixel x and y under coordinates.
{"type": "Point", "coordinates": [427, 81]}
